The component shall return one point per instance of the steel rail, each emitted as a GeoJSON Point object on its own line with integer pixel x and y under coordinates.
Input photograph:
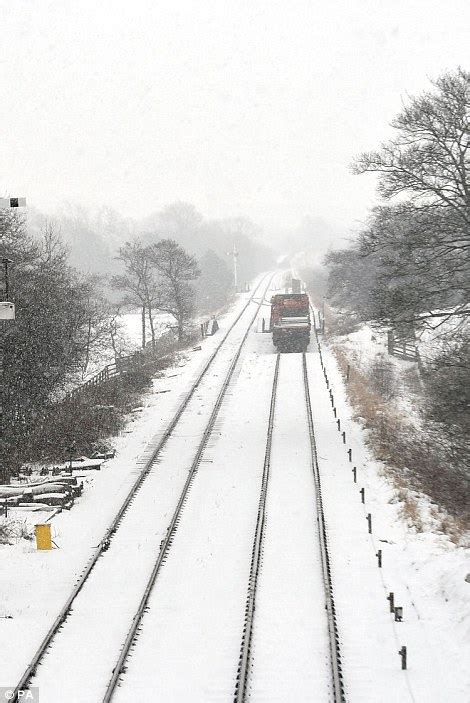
{"type": "Point", "coordinates": [105, 542]}
{"type": "Point", "coordinates": [334, 645]}
{"type": "Point", "coordinates": [171, 530]}
{"type": "Point", "coordinates": [333, 636]}
{"type": "Point", "coordinates": [244, 660]}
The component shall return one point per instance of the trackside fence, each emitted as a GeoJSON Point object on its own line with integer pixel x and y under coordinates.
{"type": "Point", "coordinates": [402, 347]}
{"type": "Point", "coordinates": [126, 364]}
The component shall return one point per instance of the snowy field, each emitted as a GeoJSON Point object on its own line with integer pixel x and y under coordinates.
{"type": "Point", "coordinates": [190, 638]}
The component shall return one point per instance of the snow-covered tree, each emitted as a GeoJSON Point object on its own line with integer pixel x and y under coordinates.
{"type": "Point", "coordinates": [58, 320]}
{"type": "Point", "coordinates": [215, 283]}
{"type": "Point", "coordinates": [421, 244]}
{"type": "Point", "coordinates": [175, 270]}
{"type": "Point", "coordinates": [138, 283]}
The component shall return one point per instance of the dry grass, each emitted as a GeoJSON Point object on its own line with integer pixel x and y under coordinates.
{"type": "Point", "coordinates": [410, 511]}
{"type": "Point", "coordinates": [422, 517]}
{"type": "Point", "coordinates": [414, 458]}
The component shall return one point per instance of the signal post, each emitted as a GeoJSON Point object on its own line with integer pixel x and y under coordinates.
{"type": "Point", "coordinates": [7, 314]}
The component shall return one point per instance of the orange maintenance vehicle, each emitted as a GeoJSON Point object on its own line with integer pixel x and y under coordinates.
{"type": "Point", "coordinates": [290, 321]}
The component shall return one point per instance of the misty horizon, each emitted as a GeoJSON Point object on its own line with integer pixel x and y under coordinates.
{"type": "Point", "coordinates": [254, 109]}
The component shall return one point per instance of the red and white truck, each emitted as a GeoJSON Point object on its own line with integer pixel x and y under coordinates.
{"type": "Point", "coordinates": [290, 321]}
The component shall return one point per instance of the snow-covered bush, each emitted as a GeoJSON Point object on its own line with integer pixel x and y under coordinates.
{"type": "Point", "coordinates": [416, 451]}
{"type": "Point", "coordinates": [12, 530]}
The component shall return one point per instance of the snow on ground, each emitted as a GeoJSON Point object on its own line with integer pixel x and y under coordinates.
{"type": "Point", "coordinates": [368, 346]}
{"type": "Point", "coordinates": [132, 326]}
{"type": "Point", "coordinates": [425, 570]}
{"type": "Point", "coordinates": [290, 633]}
{"type": "Point", "coordinates": [190, 640]}
{"type": "Point", "coordinates": [196, 615]}
{"type": "Point", "coordinates": [96, 623]}
{"type": "Point", "coordinates": [33, 584]}
{"type": "Point", "coordinates": [129, 338]}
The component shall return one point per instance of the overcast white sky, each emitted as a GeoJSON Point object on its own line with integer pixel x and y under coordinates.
{"type": "Point", "coordinates": [240, 107]}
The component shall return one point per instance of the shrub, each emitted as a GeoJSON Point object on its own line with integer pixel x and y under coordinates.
{"type": "Point", "coordinates": [87, 420]}
{"type": "Point", "coordinates": [12, 530]}
{"type": "Point", "coordinates": [417, 456]}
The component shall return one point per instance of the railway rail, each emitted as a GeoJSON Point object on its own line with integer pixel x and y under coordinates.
{"type": "Point", "coordinates": [165, 546]}
{"type": "Point", "coordinates": [335, 652]}
{"type": "Point", "coordinates": [243, 666]}
{"type": "Point", "coordinates": [152, 457]}
{"type": "Point", "coordinates": [244, 672]}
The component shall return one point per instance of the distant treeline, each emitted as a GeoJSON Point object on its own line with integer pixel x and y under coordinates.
{"type": "Point", "coordinates": [71, 278]}
{"type": "Point", "coordinates": [94, 238]}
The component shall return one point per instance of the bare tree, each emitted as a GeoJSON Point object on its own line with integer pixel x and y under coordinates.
{"type": "Point", "coordinates": [421, 245]}
{"type": "Point", "coordinates": [179, 221]}
{"type": "Point", "coordinates": [214, 284]}
{"type": "Point", "coordinates": [116, 329]}
{"type": "Point", "coordinates": [429, 159]}
{"type": "Point", "coordinates": [57, 323]}
{"type": "Point", "coordinates": [175, 268]}
{"type": "Point", "coordinates": [138, 283]}
{"type": "Point", "coordinates": [95, 330]}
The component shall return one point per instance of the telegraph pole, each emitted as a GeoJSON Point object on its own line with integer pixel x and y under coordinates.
{"type": "Point", "coordinates": [234, 255]}
{"type": "Point", "coordinates": [7, 313]}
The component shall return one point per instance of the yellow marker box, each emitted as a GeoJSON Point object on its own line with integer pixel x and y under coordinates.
{"type": "Point", "coordinates": [43, 536]}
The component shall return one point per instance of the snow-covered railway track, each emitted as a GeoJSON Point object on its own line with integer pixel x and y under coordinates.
{"type": "Point", "coordinates": [96, 593]}
{"type": "Point", "coordinates": [289, 650]}
{"type": "Point", "coordinates": [168, 539]}
{"type": "Point", "coordinates": [243, 668]}
{"type": "Point", "coordinates": [333, 635]}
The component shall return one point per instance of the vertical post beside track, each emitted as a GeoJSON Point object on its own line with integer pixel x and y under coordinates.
{"type": "Point", "coordinates": [335, 654]}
